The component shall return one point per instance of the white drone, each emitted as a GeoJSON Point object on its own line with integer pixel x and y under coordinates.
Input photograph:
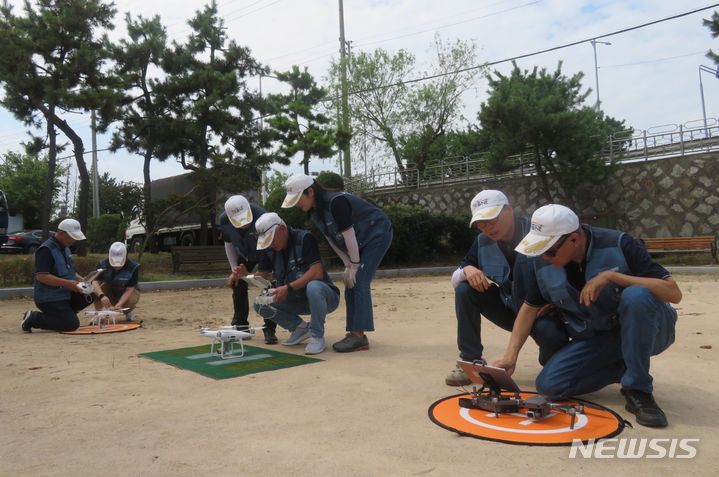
{"type": "Point", "coordinates": [101, 318]}
{"type": "Point", "coordinates": [226, 337]}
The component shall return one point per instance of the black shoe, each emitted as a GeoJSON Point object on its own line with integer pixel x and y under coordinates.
{"type": "Point", "coordinates": [646, 409]}
{"type": "Point", "coordinates": [26, 323]}
{"type": "Point", "coordinates": [270, 336]}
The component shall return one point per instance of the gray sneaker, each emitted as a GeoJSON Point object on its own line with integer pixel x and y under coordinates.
{"type": "Point", "coordinates": [315, 346]}
{"type": "Point", "coordinates": [351, 343]}
{"type": "Point", "coordinates": [457, 377]}
{"type": "Point", "coordinates": [301, 333]}
{"type": "Point", "coordinates": [130, 316]}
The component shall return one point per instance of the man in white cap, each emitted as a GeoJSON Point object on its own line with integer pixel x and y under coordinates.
{"type": "Point", "coordinates": [117, 286]}
{"type": "Point", "coordinates": [59, 291]}
{"type": "Point", "coordinates": [489, 282]}
{"type": "Point", "coordinates": [239, 233]}
{"type": "Point", "coordinates": [301, 284]}
{"type": "Point", "coordinates": [614, 302]}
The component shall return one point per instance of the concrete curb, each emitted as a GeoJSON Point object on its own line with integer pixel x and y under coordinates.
{"type": "Point", "coordinates": [6, 293]}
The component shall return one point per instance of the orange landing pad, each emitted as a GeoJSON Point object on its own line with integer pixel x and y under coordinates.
{"type": "Point", "coordinates": [597, 422]}
{"type": "Point", "coordinates": [95, 330]}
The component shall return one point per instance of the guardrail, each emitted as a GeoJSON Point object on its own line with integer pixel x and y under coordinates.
{"type": "Point", "coordinates": [658, 142]}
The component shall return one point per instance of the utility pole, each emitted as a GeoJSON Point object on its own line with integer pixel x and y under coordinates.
{"type": "Point", "coordinates": [263, 174]}
{"type": "Point", "coordinates": [345, 104]}
{"type": "Point", "coordinates": [95, 176]}
{"type": "Point", "coordinates": [597, 105]}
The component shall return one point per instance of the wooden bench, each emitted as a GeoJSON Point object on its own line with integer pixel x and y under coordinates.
{"type": "Point", "coordinates": [705, 243]}
{"type": "Point", "coordinates": [199, 259]}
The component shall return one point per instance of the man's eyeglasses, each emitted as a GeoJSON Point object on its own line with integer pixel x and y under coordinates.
{"type": "Point", "coordinates": [552, 251]}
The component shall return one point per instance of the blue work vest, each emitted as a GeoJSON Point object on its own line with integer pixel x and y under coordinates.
{"type": "Point", "coordinates": [118, 283]}
{"type": "Point", "coordinates": [63, 268]}
{"type": "Point", "coordinates": [604, 253]}
{"type": "Point", "coordinates": [296, 265]}
{"type": "Point", "coordinates": [369, 222]}
{"type": "Point", "coordinates": [494, 264]}
{"type": "Point", "coordinates": [244, 240]}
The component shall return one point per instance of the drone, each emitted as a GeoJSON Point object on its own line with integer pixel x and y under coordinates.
{"type": "Point", "coordinates": [488, 396]}
{"type": "Point", "coordinates": [226, 337]}
{"type": "Point", "coordinates": [101, 318]}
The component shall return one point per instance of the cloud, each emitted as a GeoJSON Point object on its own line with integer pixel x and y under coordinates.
{"type": "Point", "coordinates": [648, 77]}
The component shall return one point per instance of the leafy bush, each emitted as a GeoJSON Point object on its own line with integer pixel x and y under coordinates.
{"type": "Point", "coordinates": [331, 181]}
{"type": "Point", "coordinates": [16, 270]}
{"type": "Point", "coordinates": [102, 231]}
{"type": "Point", "coordinates": [421, 236]}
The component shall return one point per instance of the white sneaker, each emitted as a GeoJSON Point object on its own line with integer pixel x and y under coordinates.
{"type": "Point", "coordinates": [315, 346]}
{"type": "Point", "coordinates": [301, 333]}
{"type": "Point", "coordinates": [130, 315]}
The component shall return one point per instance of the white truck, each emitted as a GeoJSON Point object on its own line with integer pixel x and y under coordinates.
{"type": "Point", "coordinates": [178, 227]}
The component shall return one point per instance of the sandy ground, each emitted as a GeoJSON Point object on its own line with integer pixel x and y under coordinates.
{"type": "Point", "coordinates": [87, 406]}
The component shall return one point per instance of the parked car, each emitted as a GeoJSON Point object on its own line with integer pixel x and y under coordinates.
{"type": "Point", "coordinates": [23, 241]}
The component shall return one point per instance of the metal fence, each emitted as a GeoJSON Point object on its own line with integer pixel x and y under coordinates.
{"type": "Point", "coordinates": [658, 142]}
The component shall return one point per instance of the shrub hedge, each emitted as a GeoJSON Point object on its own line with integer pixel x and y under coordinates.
{"type": "Point", "coordinates": [420, 238]}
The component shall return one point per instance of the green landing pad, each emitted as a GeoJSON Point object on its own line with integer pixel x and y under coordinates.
{"type": "Point", "coordinates": [255, 360]}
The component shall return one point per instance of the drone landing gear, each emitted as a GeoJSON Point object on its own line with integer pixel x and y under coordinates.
{"type": "Point", "coordinates": [489, 398]}
{"type": "Point", "coordinates": [226, 348]}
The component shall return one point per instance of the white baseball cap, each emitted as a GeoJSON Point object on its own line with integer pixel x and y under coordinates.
{"type": "Point", "coordinates": [117, 255]}
{"type": "Point", "coordinates": [72, 228]}
{"type": "Point", "coordinates": [266, 227]}
{"type": "Point", "coordinates": [295, 186]}
{"type": "Point", "coordinates": [238, 210]}
{"type": "Point", "coordinates": [487, 205]}
{"type": "Point", "coordinates": [549, 223]}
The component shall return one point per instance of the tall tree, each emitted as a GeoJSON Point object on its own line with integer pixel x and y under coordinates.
{"type": "Point", "coordinates": [210, 126]}
{"type": "Point", "coordinates": [434, 105]}
{"type": "Point", "coordinates": [300, 129]}
{"type": "Point", "coordinates": [20, 175]}
{"type": "Point", "coordinates": [409, 117]}
{"type": "Point", "coordinates": [51, 62]}
{"type": "Point", "coordinates": [143, 111]}
{"type": "Point", "coordinates": [544, 113]}
{"type": "Point", "coordinates": [378, 95]}
{"type": "Point", "coordinates": [118, 197]}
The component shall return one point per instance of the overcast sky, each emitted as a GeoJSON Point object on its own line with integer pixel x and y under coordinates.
{"type": "Point", "coordinates": [649, 77]}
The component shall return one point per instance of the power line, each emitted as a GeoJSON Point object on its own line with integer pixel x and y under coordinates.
{"type": "Point", "coordinates": [534, 53]}
{"type": "Point", "coordinates": [359, 40]}
{"type": "Point", "coordinates": [657, 60]}
{"type": "Point", "coordinates": [451, 24]}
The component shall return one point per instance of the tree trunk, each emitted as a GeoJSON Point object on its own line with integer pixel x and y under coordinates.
{"type": "Point", "coordinates": [50, 180]}
{"type": "Point", "coordinates": [306, 163]}
{"type": "Point", "coordinates": [78, 150]}
{"type": "Point", "coordinates": [149, 212]}
{"type": "Point", "coordinates": [542, 173]}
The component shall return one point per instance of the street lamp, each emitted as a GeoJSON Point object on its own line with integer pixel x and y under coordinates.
{"type": "Point", "coordinates": [596, 68]}
{"type": "Point", "coordinates": [706, 69]}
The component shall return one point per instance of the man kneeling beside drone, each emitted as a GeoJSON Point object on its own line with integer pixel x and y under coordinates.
{"type": "Point", "coordinates": [303, 287]}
